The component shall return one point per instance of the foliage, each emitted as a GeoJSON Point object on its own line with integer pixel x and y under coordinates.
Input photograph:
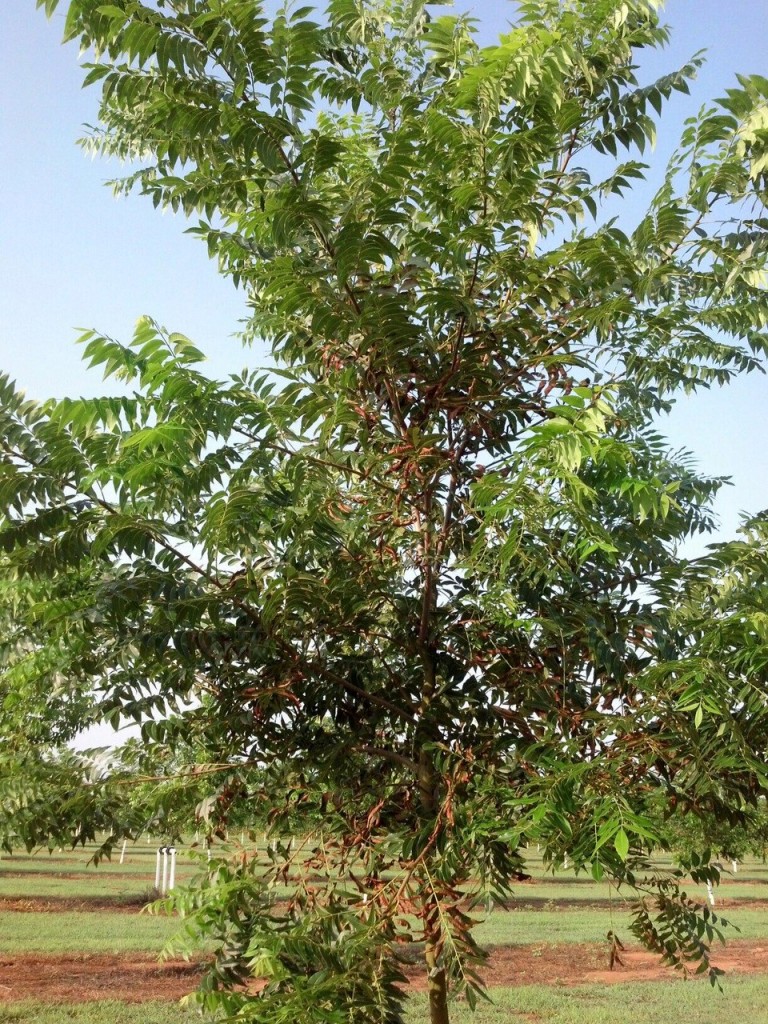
{"type": "Point", "coordinates": [422, 575]}
{"type": "Point", "coordinates": [709, 836]}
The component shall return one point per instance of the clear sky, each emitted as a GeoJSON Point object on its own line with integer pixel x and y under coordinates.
{"type": "Point", "coordinates": [73, 256]}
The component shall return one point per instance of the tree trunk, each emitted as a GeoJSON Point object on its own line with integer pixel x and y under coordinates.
{"type": "Point", "coordinates": [437, 987]}
{"type": "Point", "coordinates": [426, 733]}
{"type": "Point", "coordinates": [437, 982]}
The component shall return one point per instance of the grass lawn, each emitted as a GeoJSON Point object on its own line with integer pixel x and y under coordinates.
{"type": "Point", "coordinates": [750, 882]}
{"type": "Point", "coordinates": [528, 927]}
{"type": "Point", "coordinates": [108, 932]}
{"type": "Point", "coordinates": [84, 932]}
{"type": "Point", "coordinates": [559, 908]}
{"type": "Point", "coordinates": [40, 887]}
{"type": "Point", "coordinates": [102, 1012]}
{"type": "Point", "coordinates": [744, 1001]}
{"type": "Point", "coordinates": [140, 861]}
{"type": "Point", "coordinates": [132, 881]}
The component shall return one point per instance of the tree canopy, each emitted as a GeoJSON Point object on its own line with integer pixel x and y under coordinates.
{"type": "Point", "coordinates": [417, 584]}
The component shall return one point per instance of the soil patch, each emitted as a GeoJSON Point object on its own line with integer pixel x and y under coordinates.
{"type": "Point", "coordinates": [584, 963]}
{"type": "Point", "coordinates": [131, 904]}
{"type": "Point", "coordinates": [79, 979]}
{"type": "Point", "coordinates": [81, 876]}
{"type": "Point", "coordinates": [131, 978]}
{"type": "Point", "coordinates": [547, 904]}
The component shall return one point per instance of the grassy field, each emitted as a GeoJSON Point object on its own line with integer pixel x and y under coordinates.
{"type": "Point", "coordinates": [547, 911]}
{"type": "Point", "coordinates": [569, 924]}
{"type": "Point", "coordinates": [69, 873]}
{"type": "Point", "coordinates": [38, 932]}
{"type": "Point", "coordinates": [83, 932]}
{"type": "Point", "coordinates": [743, 1002]}
{"type": "Point", "coordinates": [102, 1012]}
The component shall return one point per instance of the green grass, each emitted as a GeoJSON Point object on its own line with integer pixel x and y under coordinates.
{"type": "Point", "coordinates": [530, 927]}
{"type": "Point", "coordinates": [37, 887]}
{"type": "Point", "coordinates": [750, 882]}
{"type": "Point", "coordinates": [743, 1001]}
{"type": "Point", "coordinates": [101, 1012]}
{"type": "Point", "coordinates": [100, 932]}
{"type": "Point", "coordinates": [104, 931]}
{"type": "Point", "coordinates": [539, 892]}
{"type": "Point", "coordinates": [537, 920]}
{"type": "Point", "coordinates": [138, 862]}
{"type": "Point", "coordinates": [125, 885]}
{"type": "Point", "coordinates": [41, 886]}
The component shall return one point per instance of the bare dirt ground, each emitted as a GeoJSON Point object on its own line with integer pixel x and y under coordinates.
{"type": "Point", "coordinates": [65, 904]}
{"type": "Point", "coordinates": [77, 876]}
{"type": "Point", "coordinates": [546, 904]}
{"type": "Point", "coordinates": [134, 902]}
{"type": "Point", "coordinates": [80, 978]}
{"type": "Point", "coordinates": [132, 978]}
{"type": "Point", "coordinates": [585, 963]}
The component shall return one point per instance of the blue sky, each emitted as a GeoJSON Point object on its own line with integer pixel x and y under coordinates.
{"type": "Point", "coordinates": [73, 256]}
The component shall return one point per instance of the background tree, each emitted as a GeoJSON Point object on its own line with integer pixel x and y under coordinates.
{"type": "Point", "coordinates": [422, 574]}
{"type": "Point", "coordinates": [722, 602]}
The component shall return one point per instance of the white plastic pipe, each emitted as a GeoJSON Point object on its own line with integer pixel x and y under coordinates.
{"type": "Point", "coordinates": [735, 866]}
{"type": "Point", "coordinates": [122, 852]}
{"type": "Point", "coordinates": [157, 869]}
{"type": "Point", "coordinates": [165, 871]}
{"type": "Point", "coordinates": [710, 894]}
{"type": "Point", "coordinates": [172, 874]}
